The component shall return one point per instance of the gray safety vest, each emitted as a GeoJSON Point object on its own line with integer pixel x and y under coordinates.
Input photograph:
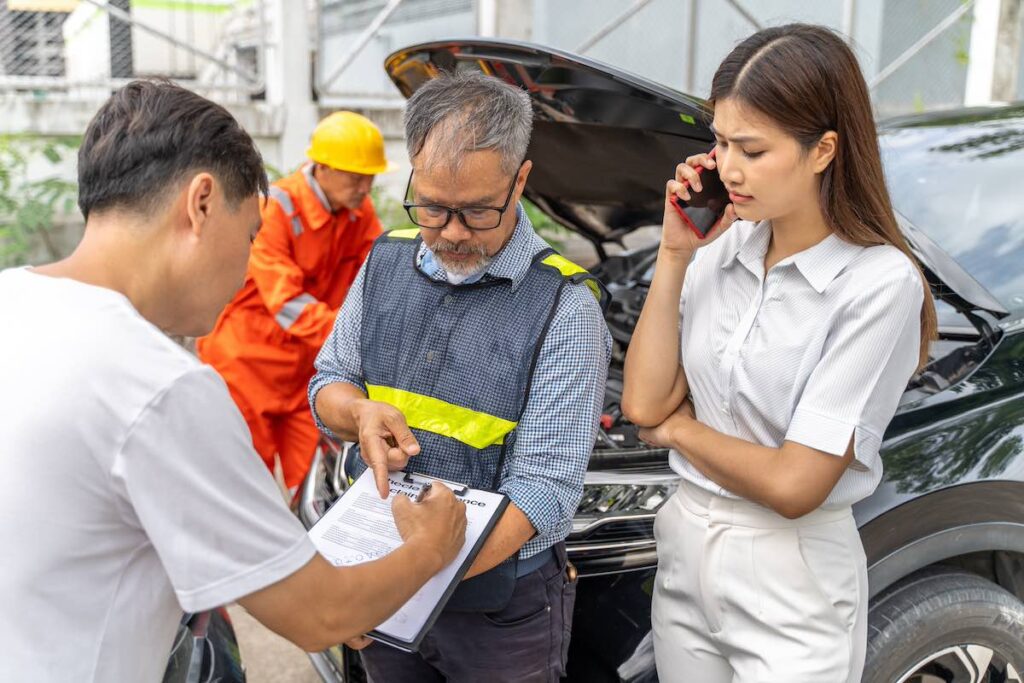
{"type": "Point", "coordinates": [457, 361]}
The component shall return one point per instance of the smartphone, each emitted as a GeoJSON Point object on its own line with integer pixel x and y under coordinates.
{"type": "Point", "coordinates": [706, 207]}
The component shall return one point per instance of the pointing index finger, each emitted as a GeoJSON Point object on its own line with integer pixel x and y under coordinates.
{"type": "Point", "coordinates": [376, 455]}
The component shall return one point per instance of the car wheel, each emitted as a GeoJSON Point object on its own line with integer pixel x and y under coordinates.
{"type": "Point", "coordinates": [945, 626]}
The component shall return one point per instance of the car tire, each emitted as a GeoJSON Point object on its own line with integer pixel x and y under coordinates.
{"type": "Point", "coordinates": [945, 626]}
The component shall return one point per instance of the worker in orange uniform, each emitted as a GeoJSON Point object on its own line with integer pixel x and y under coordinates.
{"type": "Point", "coordinates": [318, 226]}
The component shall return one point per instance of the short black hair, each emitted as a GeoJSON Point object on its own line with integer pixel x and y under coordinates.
{"type": "Point", "coordinates": [149, 135]}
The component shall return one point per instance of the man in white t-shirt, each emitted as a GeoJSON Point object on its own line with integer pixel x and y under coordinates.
{"type": "Point", "coordinates": [130, 490]}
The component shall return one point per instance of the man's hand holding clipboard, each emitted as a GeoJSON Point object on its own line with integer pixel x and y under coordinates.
{"type": "Point", "coordinates": [436, 514]}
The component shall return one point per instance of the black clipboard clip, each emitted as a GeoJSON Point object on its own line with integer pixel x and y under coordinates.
{"type": "Point", "coordinates": [457, 488]}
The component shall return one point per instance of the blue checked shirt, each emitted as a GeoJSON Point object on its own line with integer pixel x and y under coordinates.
{"type": "Point", "coordinates": [550, 449]}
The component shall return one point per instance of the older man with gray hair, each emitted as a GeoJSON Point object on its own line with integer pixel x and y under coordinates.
{"type": "Point", "coordinates": [469, 350]}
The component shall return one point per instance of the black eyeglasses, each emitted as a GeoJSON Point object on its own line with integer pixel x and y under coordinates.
{"type": "Point", "coordinates": [437, 216]}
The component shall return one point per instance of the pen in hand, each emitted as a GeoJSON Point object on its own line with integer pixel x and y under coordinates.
{"type": "Point", "coordinates": [422, 492]}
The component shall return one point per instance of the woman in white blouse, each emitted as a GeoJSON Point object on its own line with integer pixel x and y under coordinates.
{"type": "Point", "coordinates": [798, 322]}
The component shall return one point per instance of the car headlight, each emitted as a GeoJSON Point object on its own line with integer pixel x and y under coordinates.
{"type": "Point", "coordinates": [613, 529]}
{"type": "Point", "coordinates": [624, 492]}
{"type": "Point", "coordinates": [622, 499]}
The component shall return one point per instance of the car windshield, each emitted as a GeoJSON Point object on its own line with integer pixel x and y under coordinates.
{"type": "Point", "coordinates": [960, 185]}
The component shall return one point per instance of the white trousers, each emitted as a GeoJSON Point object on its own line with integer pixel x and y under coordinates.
{"type": "Point", "coordinates": [744, 595]}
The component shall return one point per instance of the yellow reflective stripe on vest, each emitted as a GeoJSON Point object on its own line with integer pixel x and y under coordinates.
{"type": "Point", "coordinates": [472, 428]}
{"type": "Point", "coordinates": [568, 269]}
{"type": "Point", "coordinates": [404, 233]}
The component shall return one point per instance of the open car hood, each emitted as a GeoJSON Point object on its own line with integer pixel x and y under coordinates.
{"type": "Point", "coordinates": [604, 142]}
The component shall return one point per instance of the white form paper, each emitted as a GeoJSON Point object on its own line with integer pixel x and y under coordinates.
{"type": "Point", "coordinates": [359, 528]}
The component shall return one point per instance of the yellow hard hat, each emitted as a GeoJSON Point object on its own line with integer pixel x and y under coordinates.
{"type": "Point", "coordinates": [347, 141]}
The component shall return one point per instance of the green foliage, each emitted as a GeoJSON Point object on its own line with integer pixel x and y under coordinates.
{"type": "Point", "coordinates": [28, 206]}
{"type": "Point", "coordinates": [918, 102]}
{"type": "Point", "coordinates": [961, 48]}
{"type": "Point", "coordinates": [390, 211]}
{"type": "Point", "coordinates": [961, 55]}
{"type": "Point", "coordinates": [273, 172]}
{"type": "Point", "coordinates": [552, 232]}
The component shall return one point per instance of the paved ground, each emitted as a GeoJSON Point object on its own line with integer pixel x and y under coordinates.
{"type": "Point", "coordinates": [269, 658]}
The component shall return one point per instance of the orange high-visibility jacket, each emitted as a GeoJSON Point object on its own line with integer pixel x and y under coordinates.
{"type": "Point", "coordinates": [302, 264]}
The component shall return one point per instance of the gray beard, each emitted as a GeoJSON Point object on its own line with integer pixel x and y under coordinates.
{"type": "Point", "coordinates": [459, 272]}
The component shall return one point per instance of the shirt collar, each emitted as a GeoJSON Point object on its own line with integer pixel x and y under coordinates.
{"type": "Point", "coordinates": [752, 249]}
{"type": "Point", "coordinates": [318, 217]}
{"type": "Point", "coordinates": [819, 264]}
{"type": "Point", "coordinates": [825, 260]}
{"type": "Point", "coordinates": [511, 263]}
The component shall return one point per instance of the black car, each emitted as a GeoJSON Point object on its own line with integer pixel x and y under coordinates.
{"type": "Point", "coordinates": [944, 532]}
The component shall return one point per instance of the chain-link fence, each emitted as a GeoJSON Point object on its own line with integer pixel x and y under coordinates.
{"type": "Point", "coordinates": [916, 54]}
{"type": "Point", "coordinates": [30, 44]}
{"type": "Point", "coordinates": [918, 49]}
{"type": "Point", "coordinates": [59, 59]}
{"type": "Point", "coordinates": [354, 37]}
{"type": "Point", "coordinates": [219, 46]}
{"type": "Point", "coordinates": [923, 55]}
{"type": "Point", "coordinates": [212, 46]}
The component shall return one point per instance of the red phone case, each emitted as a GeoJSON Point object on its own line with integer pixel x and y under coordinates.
{"type": "Point", "coordinates": [675, 202]}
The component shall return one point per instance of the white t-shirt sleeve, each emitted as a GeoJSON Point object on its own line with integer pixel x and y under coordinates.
{"type": "Point", "coordinates": [189, 477]}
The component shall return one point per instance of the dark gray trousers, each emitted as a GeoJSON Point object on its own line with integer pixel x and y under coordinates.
{"type": "Point", "coordinates": [526, 642]}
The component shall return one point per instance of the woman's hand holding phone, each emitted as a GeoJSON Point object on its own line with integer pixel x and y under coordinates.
{"type": "Point", "coordinates": [649, 392]}
{"type": "Point", "coordinates": [677, 236]}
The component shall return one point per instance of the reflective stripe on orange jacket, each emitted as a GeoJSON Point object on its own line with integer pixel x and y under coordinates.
{"type": "Point", "coordinates": [302, 264]}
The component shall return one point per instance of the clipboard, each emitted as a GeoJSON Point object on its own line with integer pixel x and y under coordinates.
{"type": "Point", "coordinates": [340, 537]}
{"type": "Point", "coordinates": [458, 489]}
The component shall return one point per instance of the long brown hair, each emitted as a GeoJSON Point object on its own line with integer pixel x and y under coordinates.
{"type": "Point", "coordinates": [807, 80]}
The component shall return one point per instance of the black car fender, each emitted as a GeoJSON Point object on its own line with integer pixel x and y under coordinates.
{"type": "Point", "coordinates": [971, 517]}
